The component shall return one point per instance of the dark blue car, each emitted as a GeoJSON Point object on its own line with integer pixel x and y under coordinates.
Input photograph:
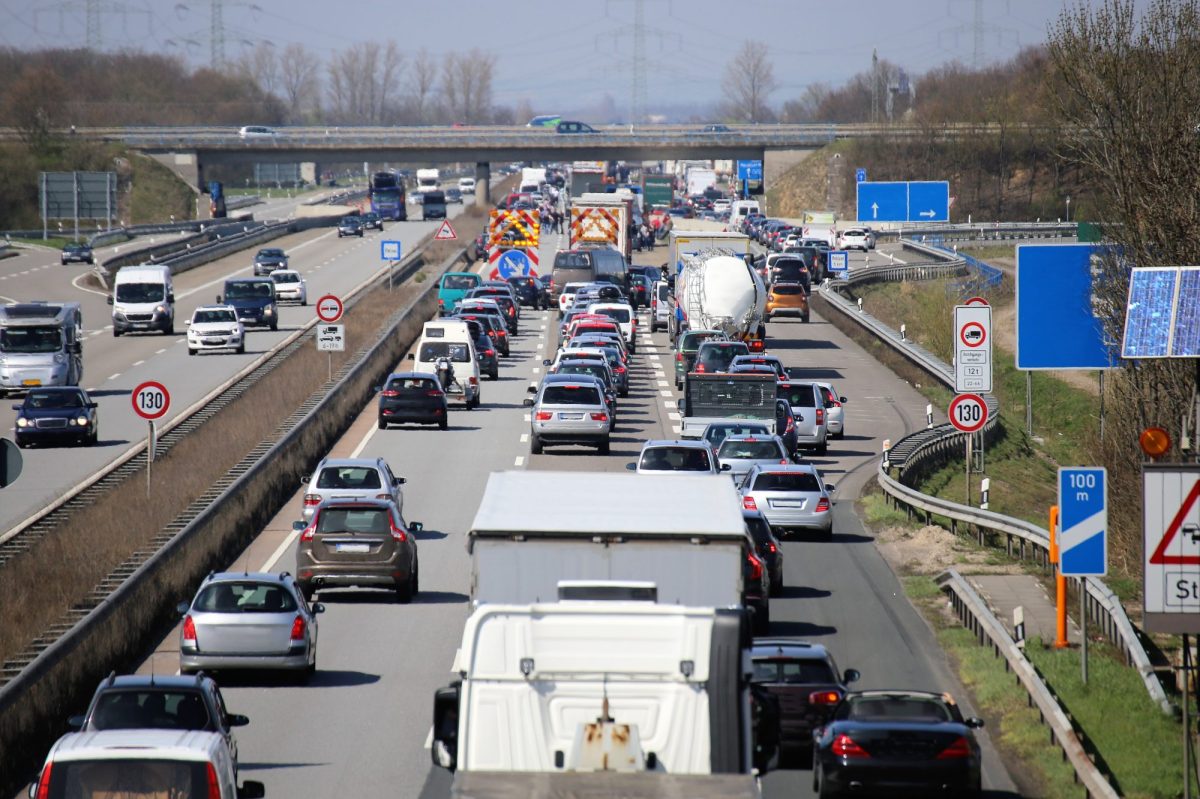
{"type": "Point", "coordinates": [254, 301]}
{"type": "Point", "coordinates": [58, 414]}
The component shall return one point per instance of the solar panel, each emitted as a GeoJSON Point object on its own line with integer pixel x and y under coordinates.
{"type": "Point", "coordinates": [1185, 343]}
{"type": "Point", "coordinates": [1148, 313]}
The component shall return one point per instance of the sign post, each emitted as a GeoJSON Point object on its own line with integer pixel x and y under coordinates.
{"type": "Point", "coordinates": [389, 251]}
{"type": "Point", "coordinates": [1083, 542]}
{"type": "Point", "coordinates": [331, 337]}
{"type": "Point", "coordinates": [968, 413]}
{"type": "Point", "coordinates": [151, 401]}
{"type": "Point", "coordinates": [839, 263]}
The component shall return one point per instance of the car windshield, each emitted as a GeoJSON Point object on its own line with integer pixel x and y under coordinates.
{"type": "Point", "coordinates": [754, 450]}
{"type": "Point", "coordinates": [676, 459]}
{"type": "Point", "coordinates": [248, 291]}
{"type": "Point", "coordinates": [131, 776]}
{"type": "Point", "coordinates": [460, 282]}
{"type": "Point", "coordinates": [896, 708]}
{"type": "Point", "coordinates": [798, 396]}
{"type": "Point", "coordinates": [570, 394]}
{"type": "Point", "coordinates": [285, 277]}
{"type": "Point", "coordinates": [54, 399]}
{"type": "Point", "coordinates": [140, 292]}
{"type": "Point", "coordinates": [796, 671]}
{"type": "Point", "coordinates": [159, 708]}
{"type": "Point", "coordinates": [203, 317]}
{"type": "Point", "coordinates": [455, 351]}
{"type": "Point", "coordinates": [245, 597]}
{"type": "Point", "coordinates": [786, 481]}
{"type": "Point", "coordinates": [351, 477]}
{"type": "Point", "coordinates": [30, 339]}
{"type": "Point", "coordinates": [354, 520]}
{"type": "Point", "coordinates": [270, 254]}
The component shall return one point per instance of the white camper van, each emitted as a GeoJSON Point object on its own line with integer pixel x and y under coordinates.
{"type": "Point", "coordinates": [143, 298]}
{"type": "Point", "coordinates": [41, 344]}
{"type": "Point", "coordinates": [450, 338]}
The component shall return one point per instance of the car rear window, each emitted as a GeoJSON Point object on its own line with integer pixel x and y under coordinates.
{"type": "Point", "coordinates": [412, 385]}
{"type": "Point", "coordinates": [717, 434]}
{"type": "Point", "coordinates": [716, 358]}
{"type": "Point", "coordinates": [692, 341]}
{"type": "Point", "coordinates": [245, 597]}
{"type": "Point", "coordinates": [580, 369]}
{"type": "Point", "coordinates": [790, 481]}
{"type": "Point", "coordinates": [456, 351]}
{"type": "Point", "coordinates": [893, 708]}
{"type": "Point", "coordinates": [571, 395]}
{"type": "Point", "coordinates": [787, 288]}
{"type": "Point", "coordinates": [798, 396]}
{"type": "Point", "coordinates": [759, 450]}
{"type": "Point", "coordinates": [676, 459]}
{"type": "Point", "coordinates": [789, 270]}
{"type": "Point", "coordinates": [619, 314]}
{"type": "Point", "coordinates": [153, 778]}
{"type": "Point", "coordinates": [353, 477]}
{"type": "Point", "coordinates": [793, 670]}
{"type": "Point", "coordinates": [151, 709]}
{"type": "Point", "coordinates": [354, 520]}
{"type": "Point", "coordinates": [460, 282]}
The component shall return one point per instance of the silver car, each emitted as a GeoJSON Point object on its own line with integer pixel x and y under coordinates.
{"type": "Point", "coordinates": [351, 478]}
{"type": "Point", "coordinates": [741, 453]}
{"type": "Point", "coordinates": [790, 497]}
{"type": "Point", "coordinates": [249, 620]}
{"type": "Point", "coordinates": [716, 432]}
{"type": "Point", "coordinates": [676, 456]}
{"type": "Point", "coordinates": [569, 409]}
{"type": "Point", "coordinates": [808, 406]}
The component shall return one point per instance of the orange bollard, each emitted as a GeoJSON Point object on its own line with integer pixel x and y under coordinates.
{"type": "Point", "coordinates": [1060, 585]}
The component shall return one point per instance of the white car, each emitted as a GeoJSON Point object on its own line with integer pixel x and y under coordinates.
{"type": "Point", "coordinates": [567, 297]}
{"type": "Point", "coordinates": [290, 287]}
{"type": "Point", "coordinates": [623, 315]}
{"type": "Point", "coordinates": [256, 132]}
{"type": "Point", "coordinates": [854, 239]}
{"type": "Point", "coordinates": [466, 185]}
{"type": "Point", "coordinates": [215, 327]}
{"type": "Point", "coordinates": [835, 414]}
{"type": "Point", "coordinates": [721, 206]}
{"type": "Point", "coordinates": [416, 197]}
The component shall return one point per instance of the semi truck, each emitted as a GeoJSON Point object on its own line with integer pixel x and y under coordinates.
{"type": "Point", "coordinates": [602, 220]}
{"type": "Point", "coordinates": [586, 176]}
{"type": "Point", "coordinates": [690, 242]}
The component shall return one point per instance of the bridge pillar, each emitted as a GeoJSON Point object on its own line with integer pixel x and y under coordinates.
{"type": "Point", "coordinates": [184, 164]}
{"type": "Point", "coordinates": [483, 188]}
{"type": "Point", "coordinates": [778, 161]}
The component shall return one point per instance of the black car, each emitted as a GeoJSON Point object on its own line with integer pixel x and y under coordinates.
{"type": "Point", "coordinates": [350, 226]}
{"type": "Point", "coordinates": [485, 350]}
{"type": "Point", "coordinates": [414, 397]}
{"type": "Point", "coordinates": [503, 298]}
{"type": "Point", "coordinates": [529, 291]}
{"type": "Point", "coordinates": [78, 252]}
{"type": "Point", "coordinates": [573, 127]}
{"type": "Point", "coordinates": [546, 287]}
{"type": "Point", "coordinates": [785, 426]}
{"type": "Point", "coordinates": [170, 702]}
{"type": "Point", "coordinates": [268, 259]}
{"type": "Point", "coordinates": [372, 221]}
{"type": "Point", "coordinates": [640, 287]}
{"type": "Point", "coordinates": [493, 326]}
{"type": "Point", "coordinates": [56, 414]}
{"type": "Point", "coordinates": [767, 547]}
{"type": "Point", "coordinates": [898, 741]}
{"type": "Point", "coordinates": [253, 299]}
{"type": "Point", "coordinates": [806, 681]}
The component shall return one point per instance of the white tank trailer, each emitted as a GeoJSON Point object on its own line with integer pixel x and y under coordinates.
{"type": "Point", "coordinates": [720, 291]}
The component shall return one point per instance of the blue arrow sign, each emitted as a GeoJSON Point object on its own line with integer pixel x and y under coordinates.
{"type": "Point", "coordinates": [750, 170]}
{"type": "Point", "coordinates": [513, 263]}
{"type": "Point", "coordinates": [860, 175]}
{"type": "Point", "coordinates": [929, 201]}
{"type": "Point", "coordinates": [1083, 519]}
{"type": "Point", "coordinates": [917, 201]}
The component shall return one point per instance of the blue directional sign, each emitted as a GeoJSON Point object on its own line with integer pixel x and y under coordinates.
{"type": "Point", "coordinates": [750, 170]}
{"type": "Point", "coordinates": [1056, 325]}
{"type": "Point", "coordinates": [839, 262]}
{"type": "Point", "coordinates": [514, 263]}
{"type": "Point", "coordinates": [389, 250]}
{"type": "Point", "coordinates": [860, 175]}
{"type": "Point", "coordinates": [1083, 520]}
{"type": "Point", "coordinates": [916, 201]}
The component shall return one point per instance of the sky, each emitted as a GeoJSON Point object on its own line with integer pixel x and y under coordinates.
{"type": "Point", "coordinates": [562, 55]}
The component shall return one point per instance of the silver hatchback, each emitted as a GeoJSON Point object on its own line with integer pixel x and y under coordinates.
{"type": "Point", "coordinates": [791, 498]}
{"type": "Point", "coordinates": [351, 478]}
{"type": "Point", "coordinates": [248, 620]}
{"type": "Point", "coordinates": [569, 409]}
{"type": "Point", "coordinates": [741, 453]}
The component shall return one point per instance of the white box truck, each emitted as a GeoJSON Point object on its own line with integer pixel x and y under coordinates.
{"type": "Point", "coordinates": [428, 179]}
{"type": "Point", "coordinates": [685, 534]}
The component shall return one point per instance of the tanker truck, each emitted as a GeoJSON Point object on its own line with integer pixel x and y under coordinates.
{"type": "Point", "coordinates": [717, 290]}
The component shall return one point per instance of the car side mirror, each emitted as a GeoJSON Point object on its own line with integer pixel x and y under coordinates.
{"type": "Point", "coordinates": [298, 527]}
{"type": "Point", "coordinates": [527, 402]}
{"type": "Point", "coordinates": [182, 608]}
{"type": "Point", "coordinates": [851, 675]}
{"type": "Point", "coordinates": [93, 405]}
{"type": "Point", "coordinates": [17, 406]}
{"type": "Point", "coordinates": [252, 789]}
{"type": "Point", "coordinates": [219, 300]}
{"type": "Point", "coordinates": [725, 467]}
{"type": "Point", "coordinates": [317, 607]}
{"type": "Point", "coordinates": [75, 722]}
{"type": "Point", "coordinates": [974, 722]}
{"type": "Point", "coordinates": [412, 356]}
{"type": "Point", "coordinates": [842, 399]}
{"type": "Point", "coordinates": [237, 720]}
{"type": "Point", "coordinates": [830, 488]}
{"type": "Point", "coordinates": [109, 299]}
{"type": "Point", "coordinates": [680, 404]}
{"type": "Point", "coordinates": [546, 362]}
{"type": "Point", "coordinates": [631, 467]}
{"type": "Point", "coordinates": [531, 390]}
{"type": "Point", "coordinates": [171, 298]}
{"type": "Point", "coordinates": [415, 527]}
{"type": "Point", "coordinates": [399, 481]}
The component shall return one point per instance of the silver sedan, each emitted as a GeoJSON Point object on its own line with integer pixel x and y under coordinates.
{"type": "Point", "coordinates": [791, 498]}
{"type": "Point", "coordinates": [254, 620]}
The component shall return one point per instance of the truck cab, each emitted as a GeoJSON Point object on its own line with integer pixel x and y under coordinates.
{"type": "Point", "coordinates": [41, 344]}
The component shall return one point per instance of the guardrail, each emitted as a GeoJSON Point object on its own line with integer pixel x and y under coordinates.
{"type": "Point", "coordinates": [939, 232]}
{"type": "Point", "coordinates": [926, 448]}
{"type": "Point", "coordinates": [974, 614]}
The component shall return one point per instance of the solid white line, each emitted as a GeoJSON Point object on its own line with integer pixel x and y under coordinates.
{"type": "Point", "coordinates": [537, 369]}
{"type": "Point", "coordinates": [363, 443]}
{"type": "Point", "coordinates": [7, 299]}
{"type": "Point", "coordinates": [526, 417]}
{"type": "Point", "coordinates": [75, 283]}
{"type": "Point", "coordinates": [520, 461]}
{"type": "Point", "coordinates": [279, 551]}
{"type": "Point", "coordinates": [662, 383]}
{"type": "Point", "coordinates": [674, 417]}
{"type": "Point", "coordinates": [676, 428]}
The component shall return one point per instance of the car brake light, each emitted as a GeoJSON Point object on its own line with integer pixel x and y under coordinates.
{"type": "Point", "coordinates": [783, 461]}
{"type": "Point", "coordinates": [756, 566]}
{"type": "Point", "coordinates": [599, 417]}
{"type": "Point", "coordinates": [433, 393]}
{"type": "Point", "coordinates": [189, 629]}
{"type": "Point", "coordinates": [398, 534]}
{"type": "Point", "coordinates": [679, 356]}
{"type": "Point", "coordinates": [844, 746]}
{"type": "Point", "coordinates": [503, 333]}
{"type": "Point", "coordinates": [958, 748]}
{"type": "Point", "coordinates": [822, 505]}
{"type": "Point", "coordinates": [43, 791]}
{"type": "Point", "coordinates": [312, 499]}
{"type": "Point", "coordinates": [700, 368]}
{"type": "Point", "coordinates": [214, 785]}
{"type": "Point", "coordinates": [620, 369]}
{"type": "Point", "coordinates": [544, 416]}
{"type": "Point", "coordinates": [489, 353]}
{"type": "Point", "coordinates": [473, 380]}
{"type": "Point", "coordinates": [824, 698]}
{"type": "Point", "coordinates": [298, 629]}
{"type": "Point", "coordinates": [390, 393]}
{"type": "Point", "coordinates": [749, 504]}
{"type": "Point", "coordinates": [772, 548]}
{"type": "Point", "coordinates": [820, 415]}
{"type": "Point", "coordinates": [308, 532]}
{"type": "Point", "coordinates": [791, 425]}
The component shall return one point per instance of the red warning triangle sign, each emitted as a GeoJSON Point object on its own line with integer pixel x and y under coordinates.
{"type": "Point", "coordinates": [1160, 556]}
{"type": "Point", "coordinates": [445, 232]}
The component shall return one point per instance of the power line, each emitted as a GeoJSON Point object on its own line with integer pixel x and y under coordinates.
{"type": "Point", "coordinates": [978, 28]}
{"type": "Point", "coordinates": [93, 13]}
{"type": "Point", "coordinates": [218, 31]}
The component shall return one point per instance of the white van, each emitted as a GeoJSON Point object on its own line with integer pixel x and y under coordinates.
{"type": "Point", "coordinates": [740, 209]}
{"type": "Point", "coordinates": [143, 298]}
{"type": "Point", "coordinates": [466, 185]}
{"type": "Point", "coordinates": [450, 338]}
{"type": "Point", "coordinates": [157, 762]}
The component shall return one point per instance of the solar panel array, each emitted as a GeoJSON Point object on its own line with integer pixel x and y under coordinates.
{"type": "Point", "coordinates": [1162, 316]}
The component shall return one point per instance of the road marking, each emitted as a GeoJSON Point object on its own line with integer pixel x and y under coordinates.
{"type": "Point", "coordinates": [7, 299]}
{"type": "Point", "coordinates": [526, 417]}
{"type": "Point", "coordinates": [537, 369]}
{"type": "Point", "coordinates": [662, 383]}
{"type": "Point", "coordinates": [138, 363]}
{"type": "Point", "coordinates": [160, 352]}
{"type": "Point", "coordinates": [519, 461]}
{"type": "Point", "coordinates": [676, 428]}
{"type": "Point", "coordinates": [664, 392]}
{"type": "Point", "coordinates": [114, 377]}
{"type": "Point", "coordinates": [75, 283]}
{"type": "Point", "coordinates": [524, 438]}
{"type": "Point", "coordinates": [674, 417]}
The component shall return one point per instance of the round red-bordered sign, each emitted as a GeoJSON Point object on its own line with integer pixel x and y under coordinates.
{"type": "Point", "coordinates": [151, 400]}
{"type": "Point", "coordinates": [329, 309]}
{"type": "Point", "coordinates": [968, 412]}
{"type": "Point", "coordinates": [973, 334]}
{"type": "Point", "coordinates": [976, 301]}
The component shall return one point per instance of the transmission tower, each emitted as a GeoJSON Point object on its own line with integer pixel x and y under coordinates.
{"type": "Point", "coordinates": [217, 30]}
{"type": "Point", "coordinates": [639, 63]}
{"type": "Point", "coordinates": [979, 28]}
{"type": "Point", "coordinates": [93, 13]}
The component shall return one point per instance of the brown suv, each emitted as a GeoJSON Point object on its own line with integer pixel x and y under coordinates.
{"type": "Point", "coordinates": [358, 542]}
{"type": "Point", "coordinates": [787, 299]}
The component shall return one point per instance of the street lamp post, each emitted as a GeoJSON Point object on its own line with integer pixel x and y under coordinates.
{"type": "Point", "coordinates": [1068, 208]}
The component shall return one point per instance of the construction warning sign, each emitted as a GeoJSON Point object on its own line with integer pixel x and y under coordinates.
{"type": "Point", "coordinates": [1171, 547]}
{"type": "Point", "coordinates": [445, 232]}
{"type": "Point", "coordinates": [515, 228]}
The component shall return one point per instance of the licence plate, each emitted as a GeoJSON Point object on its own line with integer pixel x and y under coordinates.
{"type": "Point", "coordinates": [571, 417]}
{"type": "Point", "coordinates": [31, 382]}
{"type": "Point", "coordinates": [787, 503]}
{"type": "Point", "coordinates": [361, 548]}
{"type": "Point", "coordinates": [214, 341]}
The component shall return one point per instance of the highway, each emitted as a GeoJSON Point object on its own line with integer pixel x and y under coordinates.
{"type": "Point", "coordinates": [360, 727]}
{"type": "Point", "coordinates": [113, 366]}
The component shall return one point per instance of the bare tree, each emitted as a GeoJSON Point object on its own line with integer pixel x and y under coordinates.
{"type": "Point", "coordinates": [261, 65]}
{"type": "Point", "coordinates": [424, 83]}
{"type": "Point", "coordinates": [467, 86]}
{"type": "Point", "coordinates": [363, 81]}
{"type": "Point", "coordinates": [807, 107]}
{"type": "Point", "coordinates": [749, 81]}
{"type": "Point", "coordinates": [299, 81]}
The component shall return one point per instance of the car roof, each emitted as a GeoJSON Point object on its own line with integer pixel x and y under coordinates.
{"type": "Point", "coordinates": [764, 646]}
{"type": "Point", "coordinates": [751, 437]}
{"type": "Point", "coordinates": [555, 377]}
{"type": "Point", "coordinates": [155, 681]}
{"type": "Point", "coordinates": [406, 375]}
{"type": "Point", "coordinates": [789, 468]}
{"type": "Point", "coordinates": [138, 744]}
{"type": "Point", "coordinates": [257, 577]}
{"type": "Point", "coordinates": [229, 308]}
{"type": "Point", "coordinates": [686, 443]}
{"type": "Point", "coordinates": [349, 462]}
{"type": "Point", "coordinates": [365, 502]}
{"type": "Point", "coordinates": [883, 692]}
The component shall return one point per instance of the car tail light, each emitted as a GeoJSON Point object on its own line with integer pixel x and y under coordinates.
{"type": "Point", "coordinates": [756, 566]}
{"type": "Point", "coordinates": [599, 417]}
{"type": "Point", "coordinates": [399, 535]}
{"type": "Point", "coordinates": [772, 548]}
{"type": "Point", "coordinates": [957, 749]}
{"type": "Point", "coordinates": [820, 415]}
{"type": "Point", "coordinates": [43, 791]}
{"type": "Point", "coordinates": [749, 504]}
{"type": "Point", "coordinates": [390, 393]}
{"type": "Point", "coordinates": [433, 393]}
{"type": "Point", "coordinates": [700, 368]}
{"type": "Point", "coordinates": [822, 505]}
{"type": "Point", "coordinates": [679, 357]}
{"type": "Point", "coordinates": [473, 380]}
{"type": "Point", "coordinates": [311, 500]}
{"type": "Point", "coordinates": [489, 353]}
{"type": "Point", "coordinates": [544, 416]}
{"type": "Point", "coordinates": [791, 425]}
{"type": "Point", "coordinates": [503, 333]}
{"type": "Point", "coordinates": [441, 303]}
{"type": "Point", "coordinates": [298, 627]}
{"type": "Point", "coordinates": [214, 785]}
{"type": "Point", "coordinates": [620, 369]}
{"type": "Point", "coordinates": [757, 345]}
{"type": "Point", "coordinates": [824, 698]}
{"type": "Point", "coordinates": [308, 532]}
{"type": "Point", "coordinates": [783, 461]}
{"type": "Point", "coordinates": [189, 629]}
{"type": "Point", "coordinates": [844, 746]}
{"type": "Point", "coordinates": [771, 297]}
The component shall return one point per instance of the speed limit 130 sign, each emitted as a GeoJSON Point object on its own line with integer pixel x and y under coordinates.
{"type": "Point", "coordinates": [151, 400]}
{"type": "Point", "coordinates": [968, 412]}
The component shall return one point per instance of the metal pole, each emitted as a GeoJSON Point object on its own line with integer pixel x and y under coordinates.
{"type": "Point", "coordinates": [75, 182]}
{"type": "Point", "coordinates": [969, 437]}
{"type": "Point", "coordinates": [1083, 626]}
{"type": "Point", "coordinates": [330, 365]}
{"type": "Point", "coordinates": [149, 454]}
{"type": "Point", "coordinates": [1029, 404]}
{"type": "Point", "coordinates": [45, 231]}
{"type": "Point", "coordinates": [1187, 731]}
{"type": "Point", "coordinates": [1101, 404]}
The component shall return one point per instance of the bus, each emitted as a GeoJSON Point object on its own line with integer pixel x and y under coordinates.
{"type": "Point", "coordinates": [387, 196]}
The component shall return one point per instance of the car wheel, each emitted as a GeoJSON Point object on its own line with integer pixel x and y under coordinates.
{"type": "Point", "coordinates": [494, 374]}
{"type": "Point", "coordinates": [405, 592]}
{"type": "Point", "coordinates": [191, 351]}
{"type": "Point", "coordinates": [827, 536]}
{"type": "Point", "coordinates": [535, 445]}
{"type": "Point", "coordinates": [823, 448]}
{"type": "Point", "coordinates": [766, 317]}
{"type": "Point", "coordinates": [776, 587]}
{"type": "Point", "coordinates": [241, 350]}
{"type": "Point", "coordinates": [804, 319]}
{"type": "Point", "coordinates": [416, 577]}
{"type": "Point", "coordinates": [604, 447]}
{"type": "Point", "coordinates": [169, 330]}
{"type": "Point", "coordinates": [444, 424]}
{"type": "Point", "coordinates": [762, 620]}
{"type": "Point", "coordinates": [94, 437]}
{"type": "Point", "coordinates": [274, 325]}
{"type": "Point", "coordinates": [381, 423]}
{"type": "Point", "coordinates": [840, 434]}
{"type": "Point", "coordinates": [116, 333]}
{"type": "Point", "coordinates": [303, 301]}
{"type": "Point", "coordinates": [22, 444]}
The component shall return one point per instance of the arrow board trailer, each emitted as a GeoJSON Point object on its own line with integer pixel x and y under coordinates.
{"type": "Point", "coordinates": [531, 531]}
